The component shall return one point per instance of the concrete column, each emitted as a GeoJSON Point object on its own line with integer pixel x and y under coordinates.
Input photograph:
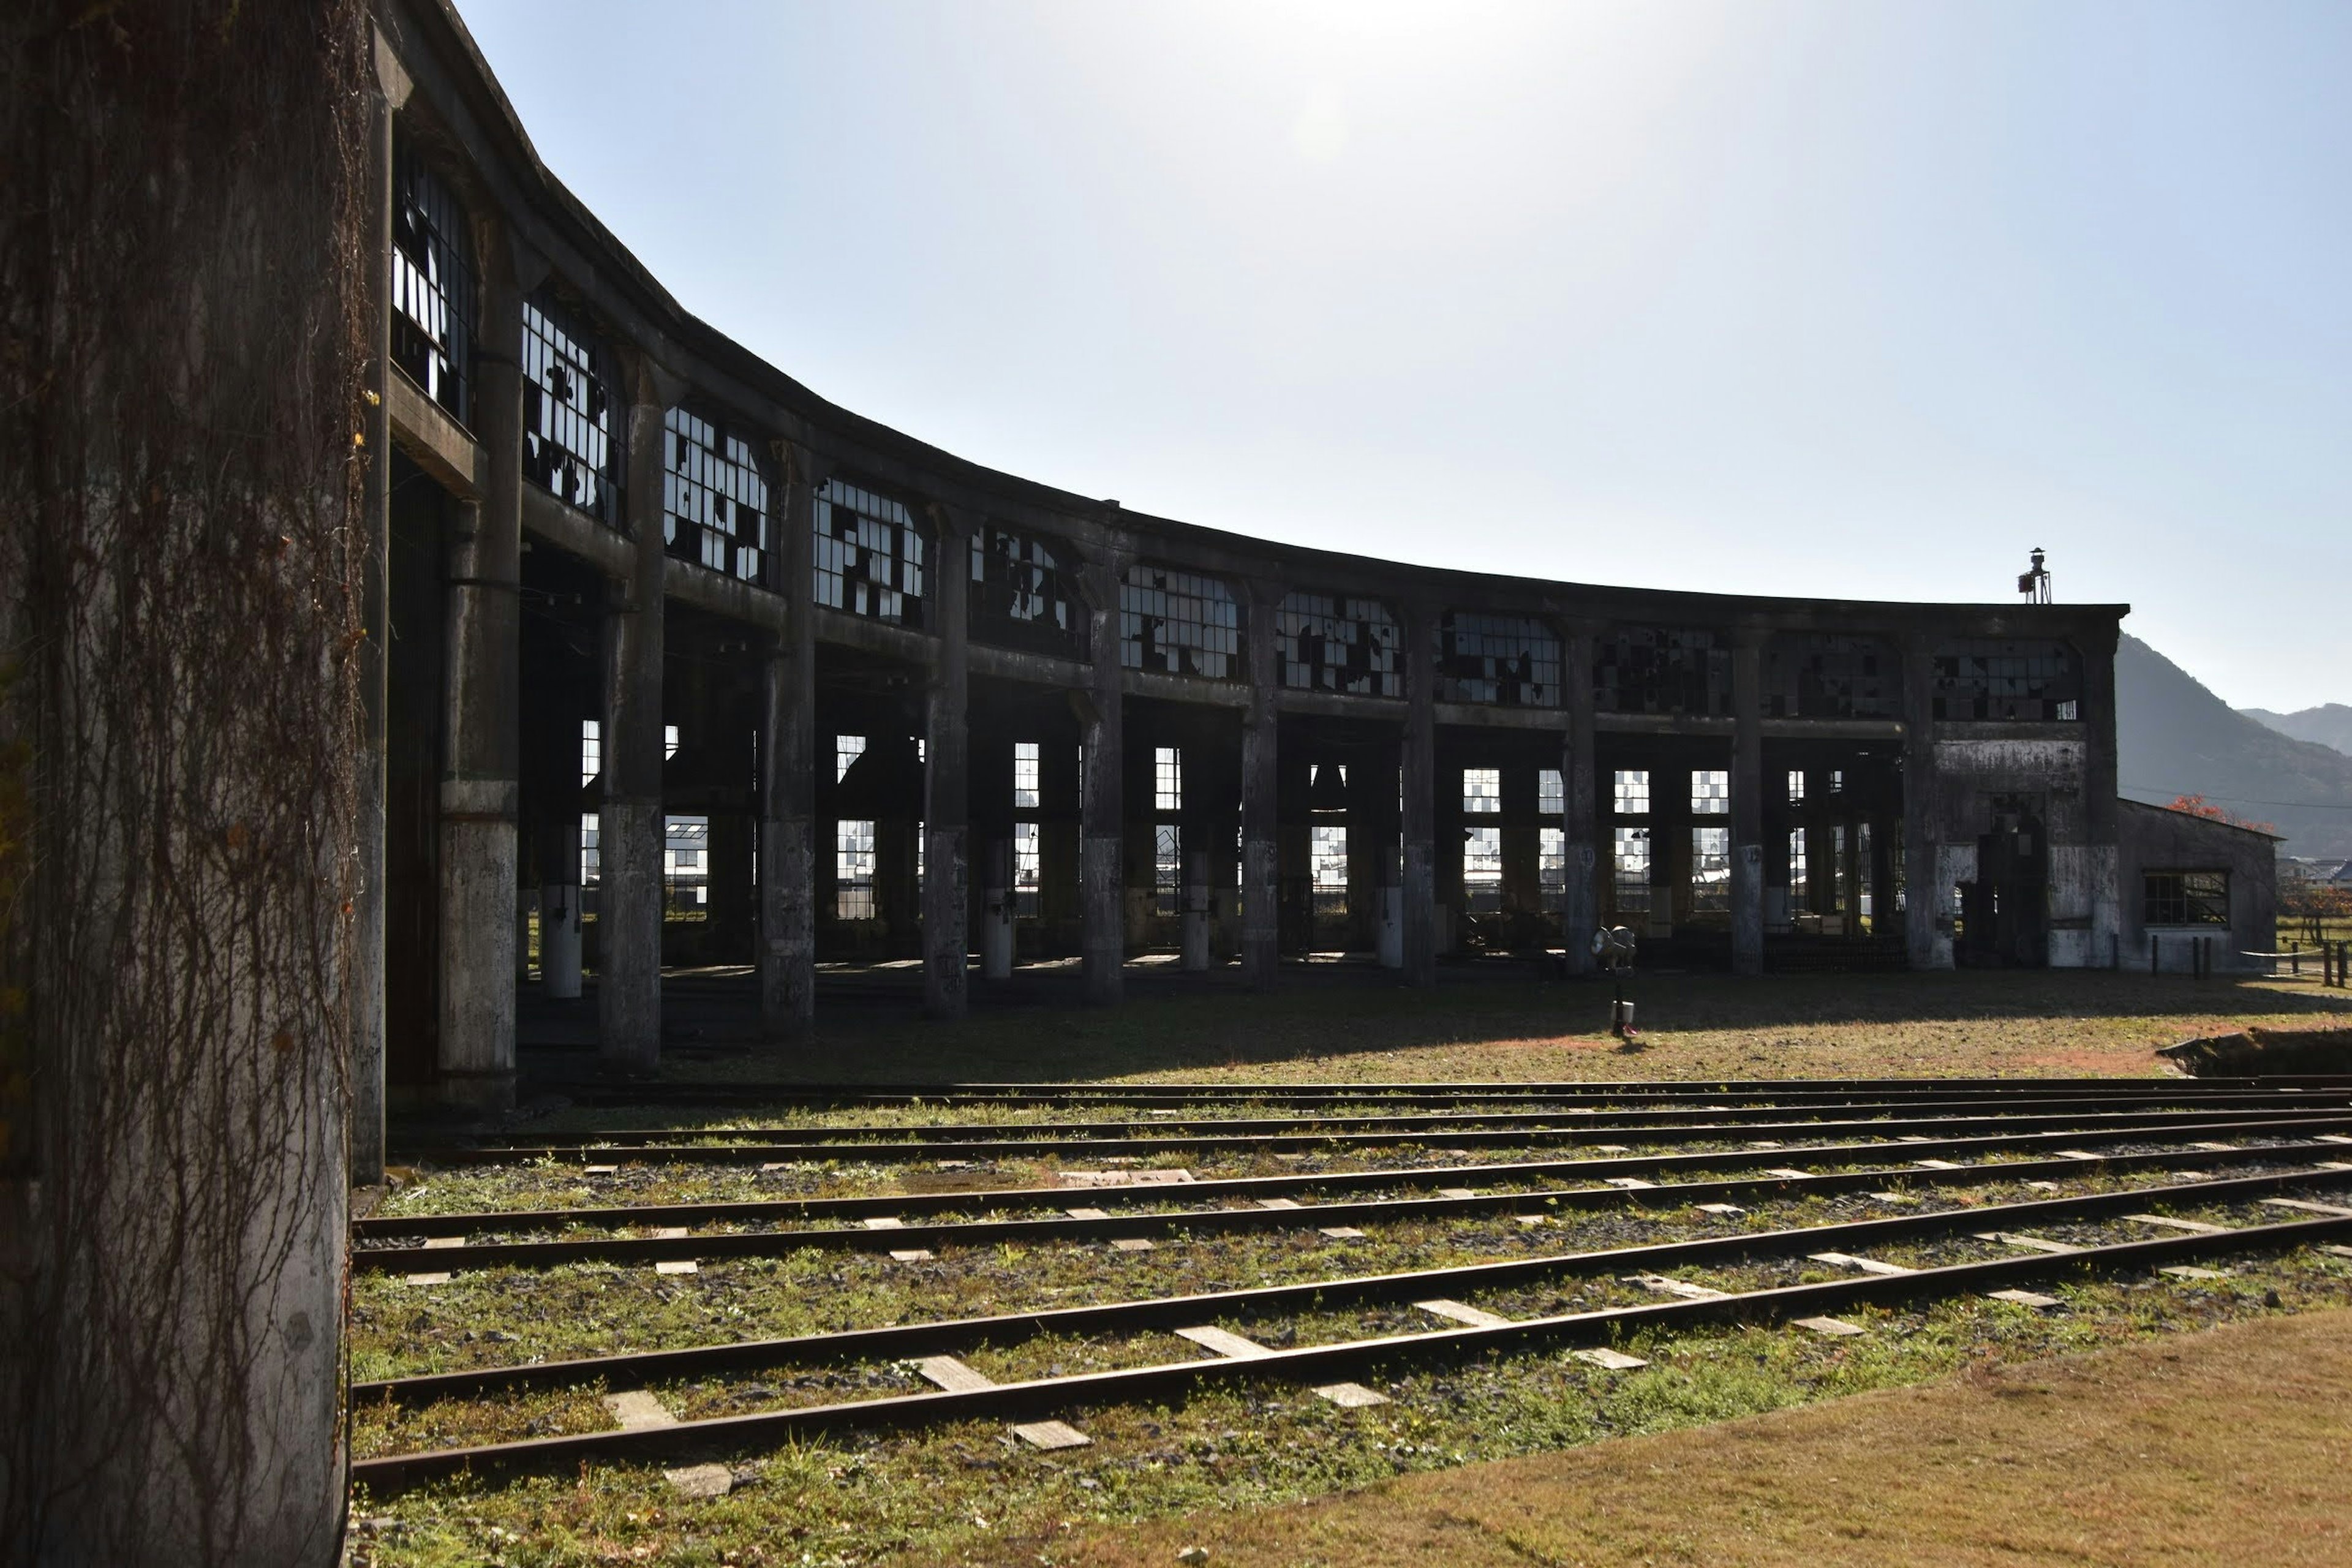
{"type": "Point", "coordinates": [2101, 813]}
{"type": "Point", "coordinates": [1579, 802]}
{"type": "Point", "coordinates": [480, 739]}
{"type": "Point", "coordinates": [367, 984]}
{"type": "Point", "coordinates": [629, 818]}
{"type": "Point", "coordinates": [1420, 890]}
{"type": "Point", "coordinates": [1261, 786]}
{"type": "Point", "coordinates": [1196, 911]}
{"type": "Point", "coordinates": [999, 901]}
{"type": "Point", "coordinates": [946, 803]}
{"type": "Point", "coordinates": [1102, 918]}
{"type": "Point", "coordinates": [787, 947]}
{"type": "Point", "coordinates": [1748, 804]}
{"type": "Point", "coordinates": [1927, 924]}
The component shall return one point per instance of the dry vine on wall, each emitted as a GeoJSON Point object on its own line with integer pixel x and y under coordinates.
{"type": "Point", "coordinates": [182, 292]}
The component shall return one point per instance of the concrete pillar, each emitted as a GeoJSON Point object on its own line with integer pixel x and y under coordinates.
{"type": "Point", "coordinates": [1927, 925]}
{"type": "Point", "coordinates": [1748, 804]}
{"type": "Point", "coordinates": [480, 739]}
{"type": "Point", "coordinates": [1102, 918]}
{"type": "Point", "coordinates": [1261, 854]}
{"type": "Point", "coordinates": [1196, 910]}
{"type": "Point", "coordinates": [2102, 814]}
{"type": "Point", "coordinates": [1580, 793]}
{"type": "Point", "coordinates": [787, 950]}
{"type": "Point", "coordinates": [1000, 900]}
{"type": "Point", "coordinates": [1420, 890]}
{"type": "Point", "coordinates": [629, 818]}
{"type": "Point", "coordinates": [947, 802]}
{"type": "Point", "coordinates": [365, 999]}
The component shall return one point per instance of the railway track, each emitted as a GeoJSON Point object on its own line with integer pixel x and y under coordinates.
{"type": "Point", "coordinates": [1102, 1224]}
{"type": "Point", "coordinates": [1995, 1226]}
{"type": "Point", "coordinates": [2261, 1151]}
{"type": "Point", "coordinates": [724, 1147]}
{"type": "Point", "coordinates": [1013, 1095]}
{"type": "Point", "coordinates": [1556, 1118]}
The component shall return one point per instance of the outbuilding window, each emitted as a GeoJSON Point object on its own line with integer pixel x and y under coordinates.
{"type": "Point", "coordinates": [2185, 898]}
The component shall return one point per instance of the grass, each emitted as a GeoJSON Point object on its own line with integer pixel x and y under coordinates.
{"type": "Point", "coordinates": [1534, 1459]}
{"type": "Point", "coordinates": [1157, 1477]}
{"type": "Point", "coordinates": [2114, 1456]}
{"type": "Point", "coordinates": [1359, 1030]}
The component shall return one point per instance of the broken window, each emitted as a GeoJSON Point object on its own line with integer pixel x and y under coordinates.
{"type": "Point", "coordinates": [2185, 898]}
{"type": "Point", "coordinates": [1482, 868]}
{"type": "Point", "coordinates": [1177, 622]}
{"type": "Point", "coordinates": [1027, 866]}
{"type": "Point", "coordinates": [1327, 861]}
{"type": "Point", "coordinates": [1828, 675]}
{"type": "Point", "coordinates": [1630, 792]}
{"type": "Point", "coordinates": [571, 446]}
{"type": "Point", "coordinates": [1024, 775]}
{"type": "Point", "coordinates": [853, 870]}
{"type": "Point", "coordinates": [714, 497]}
{"type": "Point", "coordinates": [1167, 868]}
{"type": "Point", "coordinates": [432, 283]}
{"type": "Point", "coordinates": [1652, 669]}
{"type": "Point", "coordinates": [1796, 786]}
{"type": "Point", "coordinates": [1800, 879]}
{"type": "Point", "coordinates": [1330, 644]}
{"type": "Point", "coordinates": [1167, 778]}
{"type": "Point", "coordinates": [1020, 595]}
{"type": "Point", "coordinates": [592, 749]}
{"type": "Point", "coordinates": [2018, 682]}
{"type": "Point", "coordinates": [1512, 662]}
{"type": "Point", "coordinates": [1551, 868]}
{"type": "Point", "coordinates": [1631, 875]}
{"type": "Point", "coordinates": [1710, 792]}
{"type": "Point", "coordinates": [1482, 790]}
{"type": "Point", "coordinates": [869, 554]}
{"type": "Point", "coordinates": [1551, 792]}
{"type": "Point", "coordinates": [1710, 870]}
{"type": "Point", "coordinates": [847, 749]}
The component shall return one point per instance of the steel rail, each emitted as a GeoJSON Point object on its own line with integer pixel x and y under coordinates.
{"type": "Point", "coordinates": [899, 1205]}
{"type": "Point", "coordinates": [1790, 1090]}
{"type": "Point", "coordinates": [2088, 1124]}
{"type": "Point", "coordinates": [393, 1472]}
{"type": "Point", "coordinates": [920, 1135]}
{"type": "Point", "coordinates": [635, 1369]}
{"type": "Point", "coordinates": [713, 1246]}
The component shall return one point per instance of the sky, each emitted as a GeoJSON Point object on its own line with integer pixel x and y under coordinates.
{"type": "Point", "coordinates": [1857, 301]}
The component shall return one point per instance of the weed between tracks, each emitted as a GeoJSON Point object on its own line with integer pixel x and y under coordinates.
{"type": "Point", "coordinates": [971, 1493]}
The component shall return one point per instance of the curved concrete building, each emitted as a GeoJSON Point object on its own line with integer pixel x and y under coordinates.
{"type": "Point", "coordinates": [927, 711]}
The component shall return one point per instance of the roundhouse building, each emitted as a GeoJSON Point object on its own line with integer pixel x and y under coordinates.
{"type": "Point", "coordinates": [924, 710]}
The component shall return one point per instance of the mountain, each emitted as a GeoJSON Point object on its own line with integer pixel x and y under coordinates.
{"type": "Point", "coordinates": [2330, 724]}
{"type": "Point", "coordinates": [2173, 737]}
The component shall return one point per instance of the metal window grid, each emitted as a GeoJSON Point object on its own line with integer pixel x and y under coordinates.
{"type": "Point", "coordinates": [1631, 875]}
{"type": "Point", "coordinates": [1630, 792]}
{"type": "Point", "coordinates": [433, 293]}
{"type": "Point", "coordinates": [1710, 792]}
{"type": "Point", "coordinates": [1827, 675]}
{"type": "Point", "coordinates": [571, 445]}
{"type": "Point", "coordinates": [1167, 868]}
{"type": "Point", "coordinates": [1325, 643]}
{"type": "Point", "coordinates": [1654, 669]}
{"type": "Point", "coordinates": [1177, 623]}
{"type": "Point", "coordinates": [1482, 790]}
{"type": "Point", "coordinates": [1511, 661]}
{"type": "Point", "coordinates": [1020, 596]}
{"type": "Point", "coordinates": [1710, 870]}
{"type": "Point", "coordinates": [714, 497]}
{"type": "Point", "coordinates": [853, 869]}
{"type": "Point", "coordinates": [2185, 898]}
{"type": "Point", "coordinates": [2016, 681]}
{"type": "Point", "coordinates": [1167, 778]}
{"type": "Point", "coordinates": [869, 554]}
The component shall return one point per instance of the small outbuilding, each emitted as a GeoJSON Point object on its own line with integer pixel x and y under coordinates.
{"type": "Point", "coordinates": [2189, 880]}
